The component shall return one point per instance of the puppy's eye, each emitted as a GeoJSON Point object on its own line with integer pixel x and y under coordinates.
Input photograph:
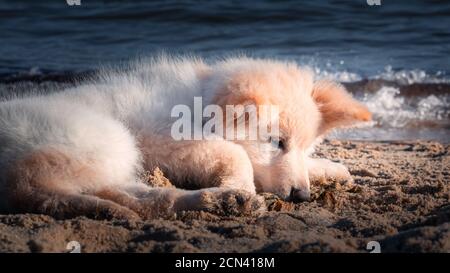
{"type": "Point", "coordinates": [277, 143]}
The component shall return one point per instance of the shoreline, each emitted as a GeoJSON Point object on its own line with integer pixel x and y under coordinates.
{"type": "Point", "coordinates": [400, 198]}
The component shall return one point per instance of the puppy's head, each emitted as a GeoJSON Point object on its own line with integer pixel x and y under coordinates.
{"type": "Point", "coordinates": [306, 111]}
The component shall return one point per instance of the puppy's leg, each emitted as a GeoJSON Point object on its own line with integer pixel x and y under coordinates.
{"type": "Point", "coordinates": [48, 182]}
{"type": "Point", "coordinates": [204, 164]}
{"type": "Point", "coordinates": [319, 169]}
{"type": "Point", "coordinates": [200, 164]}
{"type": "Point", "coordinates": [63, 205]}
{"type": "Point", "coordinates": [150, 203]}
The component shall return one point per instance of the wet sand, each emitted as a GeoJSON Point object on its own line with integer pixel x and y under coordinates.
{"type": "Point", "coordinates": [400, 198]}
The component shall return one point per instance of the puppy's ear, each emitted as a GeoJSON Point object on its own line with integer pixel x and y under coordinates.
{"type": "Point", "coordinates": [337, 107]}
{"type": "Point", "coordinates": [244, 89]}
{"type": "Point", "coordinates": [240, 97]}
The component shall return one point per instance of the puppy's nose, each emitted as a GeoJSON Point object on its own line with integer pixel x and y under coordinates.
{"type": "Point", "coordinates": [300, 195]}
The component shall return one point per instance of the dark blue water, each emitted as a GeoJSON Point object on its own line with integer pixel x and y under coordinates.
{"type": "Point", "coordinates": [406, 42]}
{"type": "Point", "coordinates": [330, 35]}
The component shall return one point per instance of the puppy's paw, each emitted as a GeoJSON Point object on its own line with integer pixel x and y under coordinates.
{"type": "Point", "coordinates": [323, 170]}
{"type": "Point", "coordinates": [231, 202]}
{"type": "Point", "coordinates": [338, 172]}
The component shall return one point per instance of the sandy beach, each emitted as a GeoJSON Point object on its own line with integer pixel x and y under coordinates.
{"type": "Point", "coordinates": [108, 57]}
{"type": "Point", "coordinates": [400, 198]}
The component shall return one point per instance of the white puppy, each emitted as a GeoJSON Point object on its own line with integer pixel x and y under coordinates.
{"type": "Point", "coordinates": [82, 151]}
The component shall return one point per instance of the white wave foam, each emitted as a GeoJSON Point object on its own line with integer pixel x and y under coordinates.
{"type": "Point", "coordinates": [403, 77]}
{"type": "Point", "coordinates": [412, 76]}
{"type": "Point", "coordinates": [433, 107]}
{"type": "Point", "coordinates": [387, 108]}
{"type": "Point", "coordinates": [391, 110]}
{"type": "Point", "coordinates": [340, 76]}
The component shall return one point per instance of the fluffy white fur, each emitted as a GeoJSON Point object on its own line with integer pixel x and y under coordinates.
{"type": "Point", "coordinates": [81, 151]}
